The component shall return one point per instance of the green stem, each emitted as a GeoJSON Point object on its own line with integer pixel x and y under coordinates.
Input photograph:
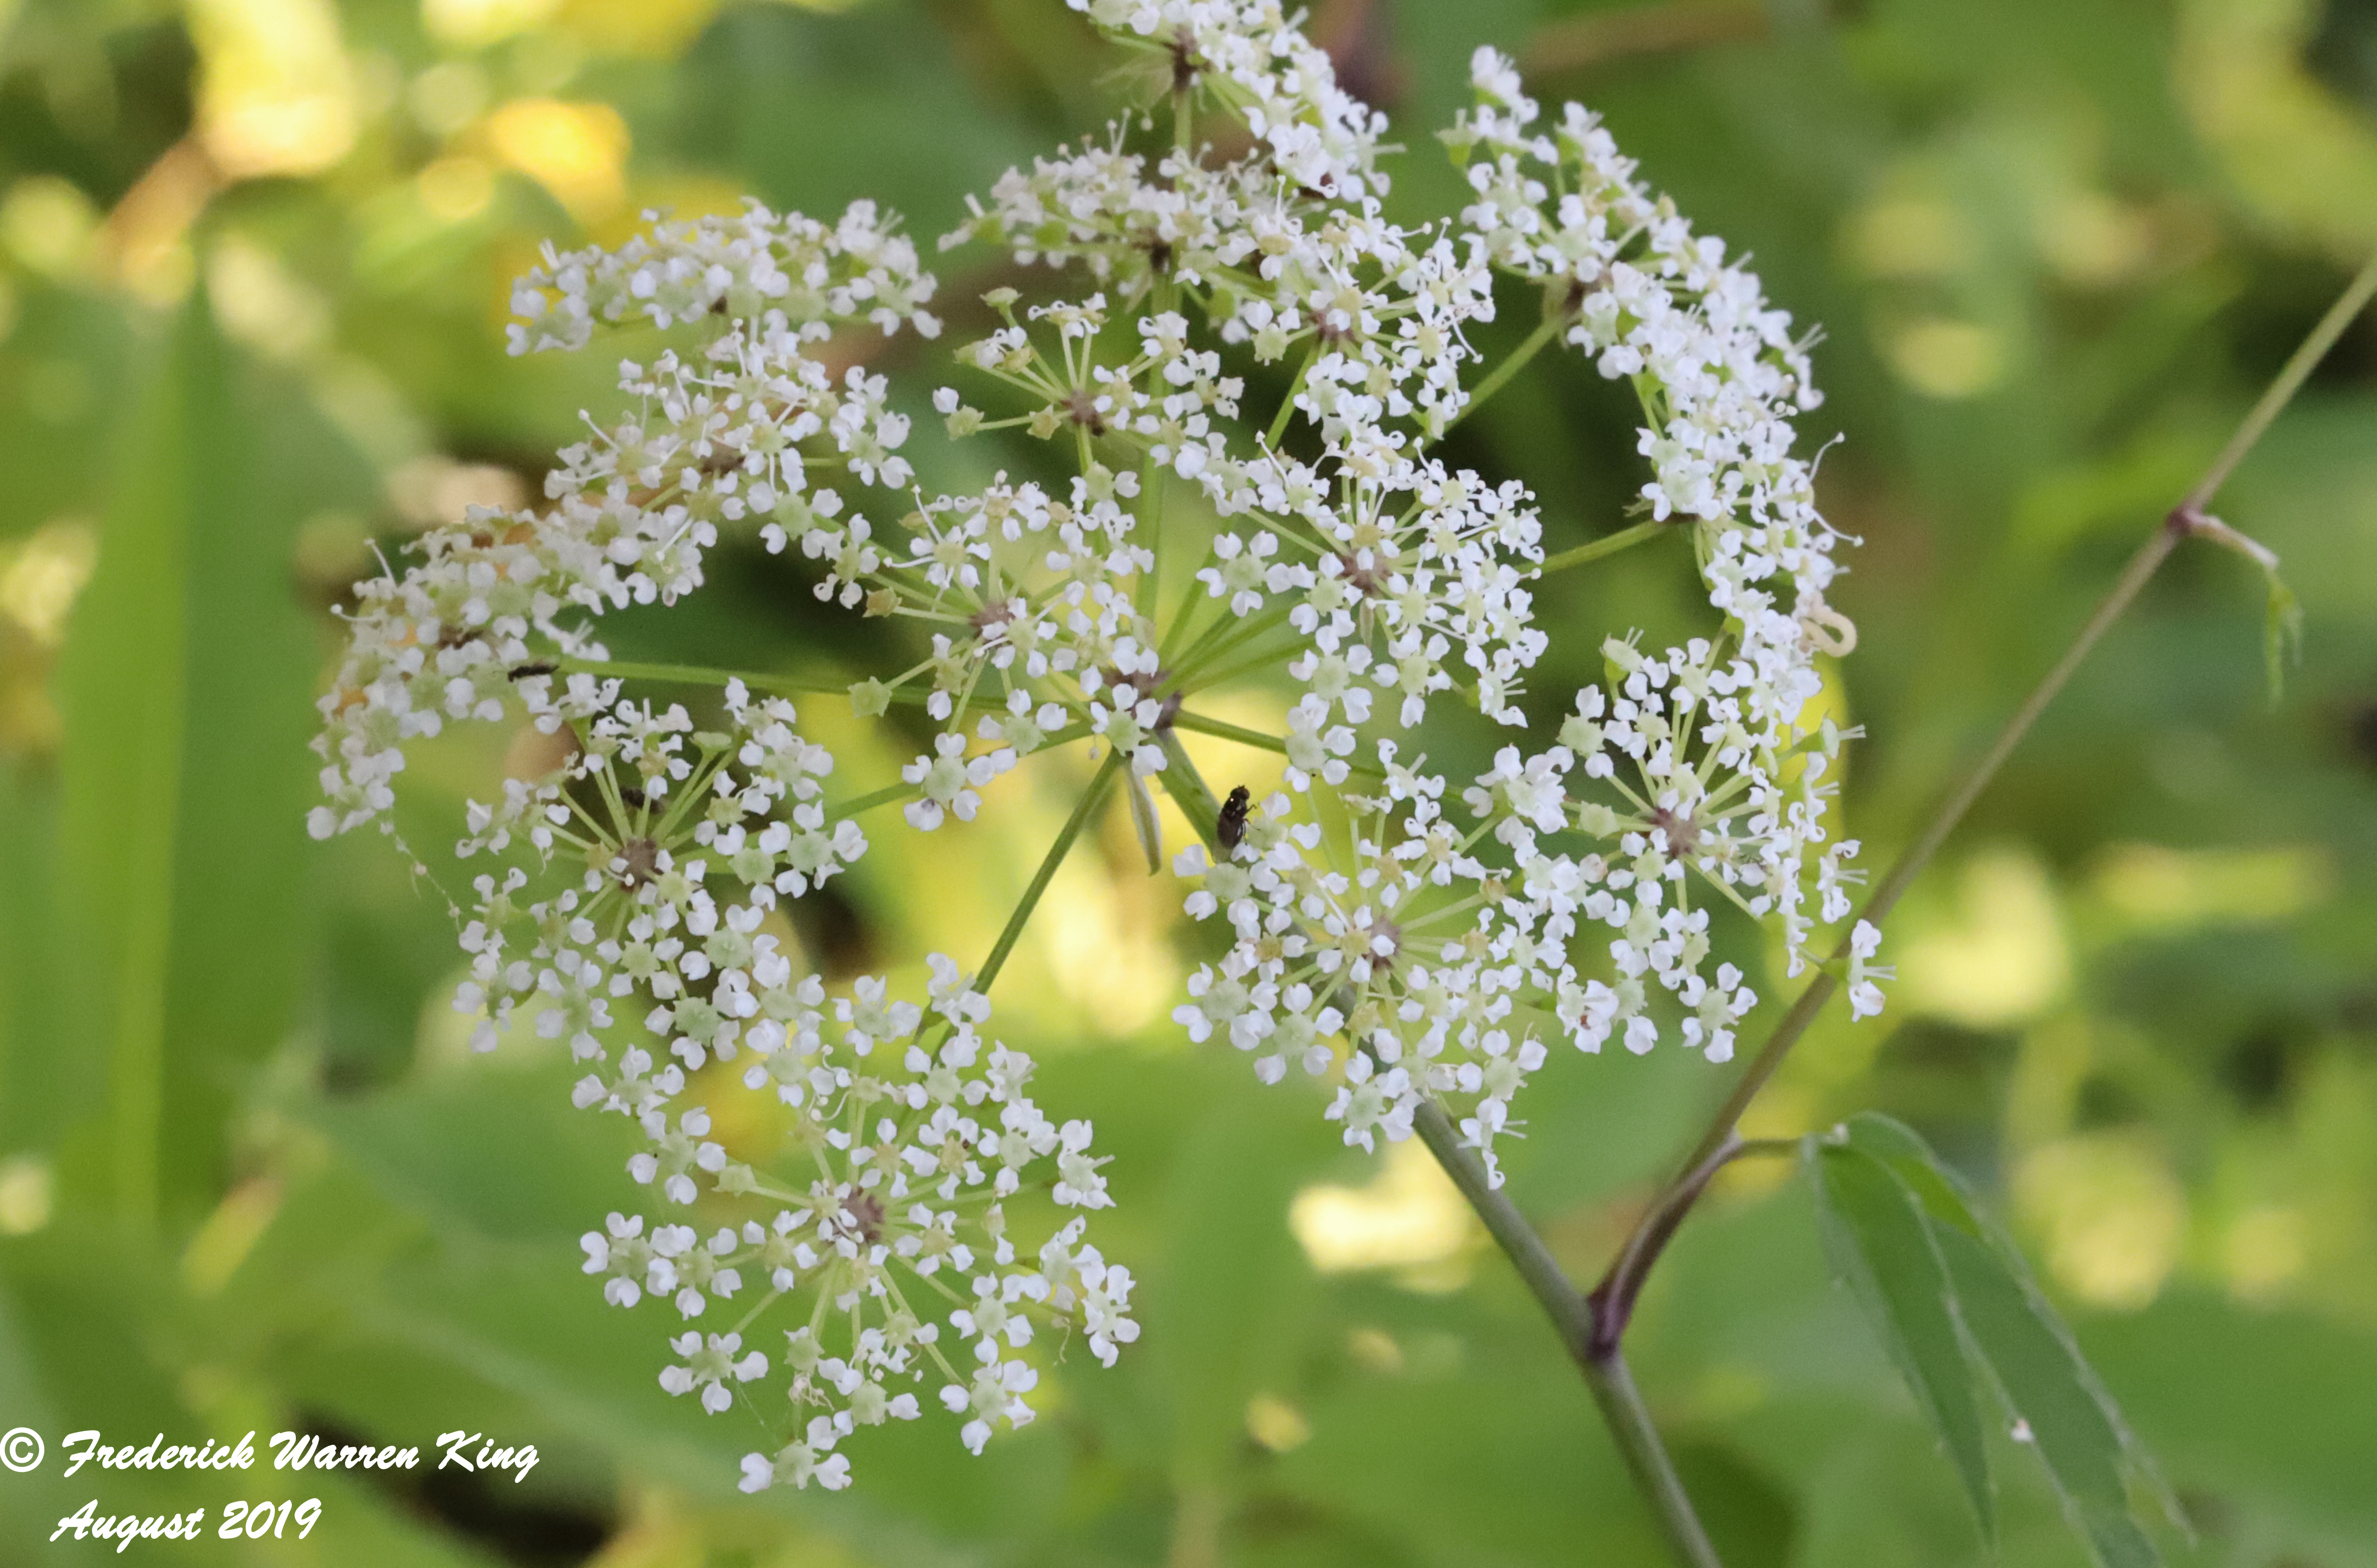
{"type": "Point", "coordinates": [2282, 390]}
{"type": "Point", "coordinates": [1082, 810]}
{"type": "Point", "coordinates": [1500, 375]}
{"type": "Point", "coordinates": [1188, 789]}
{"type": "Point", "coordinates": [860, 805]}
{"type": "Point", "coordinates": [1629, 1421]}
{"type": "Point", "coordinates": [1287, 403]}
{"type": "Point", "coordinates": [1223, 730]}
{"type": "Point", "coordinates": [699, 675]}
{"type": "Point", "coordinates": [1608, 545]}
{"type": "Point", "coordinates": [1621, 1287]}
{"type": "Point", "coordinates": [1623, 1283]}
{"type": "Point", "coordinates": [1225, 636]}
{"type": "Point", "coordinates": [1208, 680]}
{"type": "Point", "coordinates": [1572, 1316]}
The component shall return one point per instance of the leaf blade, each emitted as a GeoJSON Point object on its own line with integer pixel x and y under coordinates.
{"type": "Point", "coordinates": [1880, 1244]}
{"type": "Point", "coordinates": [2078, 1436]}
{"type": "Point", "coordinates": [1949, 1203]}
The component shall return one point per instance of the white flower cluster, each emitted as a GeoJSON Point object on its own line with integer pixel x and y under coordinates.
{"type": "Point", "coordinates": [477, 629]}
{"type": "Point", "coordinates": [1250, 58]}
{"type": "Point", "coordinates": [1402, 938]}
{"type": "Point", "coordinates": [1403, 578]}
{"type": "Point", "coordinates": [1443, 953]}
{"type": "Point", "coordinates": [652, 865]}
{"type": "Point", "coordinates": [643, 876]}
{"type": "Point", "coordinates": [1444, 949]}
{"type": "Point", "coordinates": [1720, 375]}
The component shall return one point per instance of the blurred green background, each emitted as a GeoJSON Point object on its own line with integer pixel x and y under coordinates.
{"type": "Point", "coordinates": [253, 267]}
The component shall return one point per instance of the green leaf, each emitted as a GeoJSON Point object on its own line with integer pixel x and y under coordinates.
{"type": "Point", "coordinates": [1910, 1159]}
{"type": "Point", "coordinates": [2009, 1328]}
{"type": "Point", "coordinates": [184, 689]}
{"type": "Point", "coordinates": [120, 682]}
{"type": "Point", "coordinates": [2052, 1391]}
{"type": "Point", "coordinates": [1880, 1245]}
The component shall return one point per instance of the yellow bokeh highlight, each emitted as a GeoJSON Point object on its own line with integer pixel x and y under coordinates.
{"type": "Point", "coordinates": [1374, 1350]}
{"type": "Point", "coordinates": [1910, 236]}
{"type": "Point", "coordinates": [2111, 1211]}
{"type": "Point", "coordinates": [226, 1237]}
{"type": "Point", "coordinates": [474, 24]}
{"type": "Point", "coordinates": [2001, 958]}
{"type": "Point", "coordinates": [2161, 890]}
{"type": "Point", "coordinates": [2299, 154]}
{"type": "Point", "coordinates": [147, 237]}
{"type": "Point", "coordinates": [1943, 357]}
{"type": "Point", "coordinates": [447, 96]}
{"type": "Point", "coordinates": [1409, 1217]}
{"type": "Point", "coordinates": [2057, 1055]}
{"type": "Point", "coordinates": [25, 1194]}
{"type": "Point", "coordinates": [40, 579]}
{"type": "Point", "coordinates": [1104, 948]}
{"type": "Point", "coordinates": [47, 223]}
{"type": "Point", "coordinates": [455, 190]}
{"type": "Point", "coordinates": [276, 95]}
{"type": "Point", "coordinates": [1277, 1425]}
{"type": "Point", "coordinates": [651, 28]}
{"type": "Point", "coordinates": [2264, 1252]}
{"type": "Point", "coordinates": [2091, 239]}
{"type": "Point", "coordinates": [261, 304]}
{"type": "Point", "coordinates": [578, 151]}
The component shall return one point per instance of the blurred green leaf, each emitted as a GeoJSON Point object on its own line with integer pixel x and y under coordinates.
{"type": "Point", "coordinates": [33, 1073]}
{"type": "Point", "coordinates": [500, 1155]}
{"type": "Point", "coordinates": [1473, 1471]}
{"type": "Point", "coordinates": [2275, 1409]}
{"type": "Point", "coordinates": [122, 685]}
{"type": "Point", "coordinates": [1228, 1300]}
{"type": "Point", "coordinates": [183, 686]}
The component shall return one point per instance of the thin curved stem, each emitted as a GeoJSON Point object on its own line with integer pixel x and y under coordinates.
{"type": "Point", "coordinates": [1083, 810]}
{"type": "Point", "coordinates": [2283, 388]}
{"type": "Point", "coordinates": [1607, 544]}
{"type": "Point", "coordinates": [698, 675]}
{"type": "Point", "coordinates": [2187, 521]}
{"type": "Point", "coordinates": [1571, 1313]}
{"type": "Point", "coordinates": [1629, 1421]}
{"type": "Point", "coordinates": [1500, 376]}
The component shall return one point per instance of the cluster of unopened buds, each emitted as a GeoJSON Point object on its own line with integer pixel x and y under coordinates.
{"type": "Point", "coordinates": [1401, 935]}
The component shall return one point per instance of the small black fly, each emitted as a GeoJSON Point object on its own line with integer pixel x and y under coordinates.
{"type": "Point", "coordinates": [1231, 825]}
{"type": "Point", "coordinates": [540, 668]}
